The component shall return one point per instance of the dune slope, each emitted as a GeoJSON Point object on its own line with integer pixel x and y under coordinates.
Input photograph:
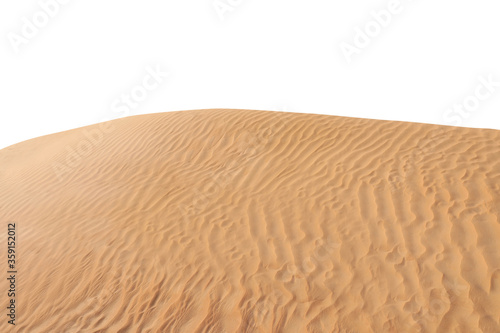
{"type": "Point", "coordinates": [253, 221]}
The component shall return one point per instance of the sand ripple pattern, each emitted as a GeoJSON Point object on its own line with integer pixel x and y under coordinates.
{"type": "Point", "coordinates": [253, 221]}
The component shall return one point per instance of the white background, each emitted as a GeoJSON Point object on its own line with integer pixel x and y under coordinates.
{"type": "Point", "coordinates": [74, 68]}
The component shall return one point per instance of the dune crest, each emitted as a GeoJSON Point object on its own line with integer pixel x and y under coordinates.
{"type": "Point", "coordinates": [254, 221]}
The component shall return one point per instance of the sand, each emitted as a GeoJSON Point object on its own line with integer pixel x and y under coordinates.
{"type": "Point", "coordinates": [254, 221]}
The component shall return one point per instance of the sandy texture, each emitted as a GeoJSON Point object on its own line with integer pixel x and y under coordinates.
{"type": "Point", "coordinates": [253, 221]}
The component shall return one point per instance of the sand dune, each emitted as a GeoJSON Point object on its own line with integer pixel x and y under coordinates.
{"type": "Point", "coordinates": [253, 221]}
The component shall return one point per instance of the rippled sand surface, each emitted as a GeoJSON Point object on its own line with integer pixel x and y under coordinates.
{"type": "Point", "coordinates": [254, 221]}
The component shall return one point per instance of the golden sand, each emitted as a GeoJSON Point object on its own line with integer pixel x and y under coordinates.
{"type": "Point", "coordinates": [254, 221]}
